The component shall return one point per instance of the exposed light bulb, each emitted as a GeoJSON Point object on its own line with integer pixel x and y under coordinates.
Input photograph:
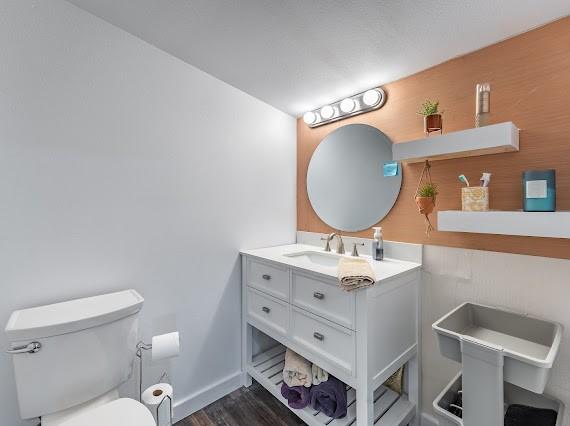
{"type": "Point", "coordinates": [327, 112]}
{"type": "Point", "coordinates": [371, 97]}
{"type": "Point", "coordinates": [347, 105]}
{"type": "Point", "coordinates": [310, 117]}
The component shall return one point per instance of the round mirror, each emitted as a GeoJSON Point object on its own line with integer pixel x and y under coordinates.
{"type": "Point", "coordinates": [345, 180]}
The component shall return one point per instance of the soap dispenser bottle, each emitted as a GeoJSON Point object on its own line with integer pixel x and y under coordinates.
{"type": "Point", "coordinates": [378, 244]}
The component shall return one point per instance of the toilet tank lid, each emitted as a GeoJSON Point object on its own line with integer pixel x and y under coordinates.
{"type": "Point", "coordinates": [72, 315]}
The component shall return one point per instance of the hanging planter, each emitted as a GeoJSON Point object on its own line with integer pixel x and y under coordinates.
{"type": "Point", "coordinates": [425, 197]}
{"type": "Point", "coordinates": [433, 121]}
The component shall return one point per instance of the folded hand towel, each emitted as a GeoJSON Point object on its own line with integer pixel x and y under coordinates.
{"type": "Point", "coordinates": [319, 375]}
{"type": "Point", "coordinates": [297, 370]}
{"type": "Point", "coordinates": [297, 396]}
{"type": "Point", "coordinates": [330, 398]}
{"type": "Point", "coordinates": [394, 382]}
{"type": "Point", "coordinates": [355, 273]}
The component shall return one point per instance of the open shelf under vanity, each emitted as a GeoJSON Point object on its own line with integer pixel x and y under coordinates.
{"type": "Point", "coordinates": [390, 408]}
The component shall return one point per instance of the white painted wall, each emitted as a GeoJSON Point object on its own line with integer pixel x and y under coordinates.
{"type": "Point", "coordinates": [121, 166]}
{"type": "Point", "coordinates": [536, 285]}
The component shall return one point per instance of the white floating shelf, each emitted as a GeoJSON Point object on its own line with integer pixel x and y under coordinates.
{"type": "Point", "coordinates": [493, 139]}
{"type": "Point", "coordinates": [528, 224]}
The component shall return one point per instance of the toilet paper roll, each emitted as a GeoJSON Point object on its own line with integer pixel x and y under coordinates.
{"type": "Point", "coordinates": [153, 396]}
{"type": "Point", "coordinates": [165, 346]}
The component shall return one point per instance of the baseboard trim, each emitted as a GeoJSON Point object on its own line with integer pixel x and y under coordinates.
{"type": "Point", "coordinates": [429, 420]}
{"type": "Point", "coordinates": [185, 406]}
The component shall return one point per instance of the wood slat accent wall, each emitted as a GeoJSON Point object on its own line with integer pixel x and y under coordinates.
{"type": "Point", "coordinates": [530, 85]}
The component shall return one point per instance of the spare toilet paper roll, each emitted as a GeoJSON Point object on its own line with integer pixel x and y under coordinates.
{"type": "Point", "coordinates": [165, 346]}
{"type": "Point", "coordinates": [153, 396]}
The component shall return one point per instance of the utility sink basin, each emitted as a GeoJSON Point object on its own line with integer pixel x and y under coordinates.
{"type": "Point", "coordinates": [316, 257]}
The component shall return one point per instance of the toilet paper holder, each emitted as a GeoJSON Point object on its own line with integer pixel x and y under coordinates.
{"type": "Point", "coordinates": [166, 346]}
{"type": "Point", "coordinates": [142, 346]}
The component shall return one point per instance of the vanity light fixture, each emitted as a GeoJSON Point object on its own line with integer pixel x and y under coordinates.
{"type": "Point", "coordinates": [353, 105]}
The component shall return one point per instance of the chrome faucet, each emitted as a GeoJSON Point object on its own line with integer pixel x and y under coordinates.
{"type": "Point", "coordinates": [339, 246]}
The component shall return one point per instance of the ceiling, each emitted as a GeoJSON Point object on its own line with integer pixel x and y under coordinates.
{"type": "Point", "coordinates": [300, 54]}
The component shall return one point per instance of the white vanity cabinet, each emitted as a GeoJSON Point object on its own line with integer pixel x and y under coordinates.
{"type": "Point", "coordinates": [361, 337]}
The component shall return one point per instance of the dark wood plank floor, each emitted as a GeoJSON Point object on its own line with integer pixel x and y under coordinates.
{"type": "Point", "coordinates": [244, 407]}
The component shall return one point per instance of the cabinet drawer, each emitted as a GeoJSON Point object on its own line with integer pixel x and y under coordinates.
{"type": "Point", "coordinates": [324, 299]}
{"type": "Point", "coordinates": [268, 278]}
{"type": "Point", "coordinates": [271, 312]}
{"type": "Point", "coordinates": [330, 341]}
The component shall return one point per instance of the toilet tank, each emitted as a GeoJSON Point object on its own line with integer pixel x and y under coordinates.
{"type": "Point", "coordinates": [87, 349]}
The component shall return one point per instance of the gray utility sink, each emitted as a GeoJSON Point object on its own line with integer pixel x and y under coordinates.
{"type": "Point", "coordinates": [529, 345]}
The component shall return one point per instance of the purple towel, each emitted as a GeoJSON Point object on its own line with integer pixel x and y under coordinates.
{"type": "Point", "coordinates": [330, 398]}
{"type": "Point", "coordinates": [297, 396]}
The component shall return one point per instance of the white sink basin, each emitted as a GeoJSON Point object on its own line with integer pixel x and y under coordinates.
{"type": "Point", "coordinates": [316, 257]}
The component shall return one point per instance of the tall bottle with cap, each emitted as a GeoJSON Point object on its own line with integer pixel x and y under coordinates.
{"type": "Point", "coordinates": [378, 244]}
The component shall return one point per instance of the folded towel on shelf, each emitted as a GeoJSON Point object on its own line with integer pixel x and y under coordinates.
{"type": "Point", "coordinates": [330, 398]}
{"type": "Point", "coordinates": [297, 396]}
{"type": "Point", "coordinates": [319, 375]}
{"type": "Point", "coordinates": [355, 273]}
{"type": "Point", "coordinates": [297, 370]}
{"type": "Point", "coordinates": [395, 381]}
{"type": "Point", "coordinates": [522, 415]}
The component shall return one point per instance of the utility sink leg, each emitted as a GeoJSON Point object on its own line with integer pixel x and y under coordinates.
{"type": "Point", "coordinates": [482, 384]}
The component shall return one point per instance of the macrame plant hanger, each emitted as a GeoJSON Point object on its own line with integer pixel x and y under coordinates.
{"type": "Point", "coordinates": [425, 206]}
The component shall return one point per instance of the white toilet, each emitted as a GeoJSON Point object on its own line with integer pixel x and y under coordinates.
{"type": "Point", "coordinates": [70, 358]}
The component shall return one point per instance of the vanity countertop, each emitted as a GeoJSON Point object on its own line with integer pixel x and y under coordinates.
{"type": "Point", "coordinates": [290, 255]}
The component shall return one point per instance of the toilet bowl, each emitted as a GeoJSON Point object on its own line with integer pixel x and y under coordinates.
{"type": "Point", "coordinates": [107, 410]}
{"type": "Point", "coordinates": [120, 412]}
{"type": "Point", "coordinates": [80, 351]}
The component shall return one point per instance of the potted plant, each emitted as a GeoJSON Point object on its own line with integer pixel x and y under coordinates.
{"type": "Point", "coordinates": [432, 117]}
{"type": "Point", "coordinates": [425, 197]}
{"type": "Point", "coordinates": [425, 200]}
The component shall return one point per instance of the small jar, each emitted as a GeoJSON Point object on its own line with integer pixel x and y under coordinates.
{"type": "Point", "coordinates": [539, 190]}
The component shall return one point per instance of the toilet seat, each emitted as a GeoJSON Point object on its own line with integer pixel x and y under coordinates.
{"type": "Point", "coordinates": [120, 412]}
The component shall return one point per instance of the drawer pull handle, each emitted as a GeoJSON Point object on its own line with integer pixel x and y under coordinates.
{"type": "Point", "coordinates": [318, 295]}
{"type": "Point", "coordinates": [266, 309]}
{"type": "Point", "coordinates": [266, 277]}
{"type": "Point", "coordinates": [318, 336]}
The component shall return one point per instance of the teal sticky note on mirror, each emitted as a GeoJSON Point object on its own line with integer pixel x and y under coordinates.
{"type": "Point", "coordinates": [391, 169]}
